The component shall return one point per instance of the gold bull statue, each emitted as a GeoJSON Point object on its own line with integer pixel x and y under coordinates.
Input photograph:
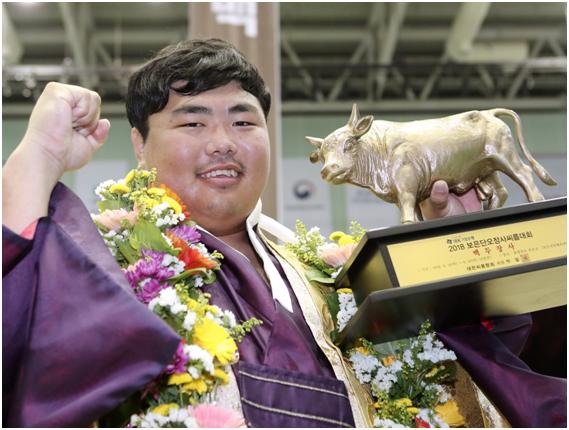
{"type": "Point", "coordinates": [400, 161]}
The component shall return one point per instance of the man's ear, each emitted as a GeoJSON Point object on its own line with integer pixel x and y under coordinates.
{"type": "Point", "coordinates": [138, 146]}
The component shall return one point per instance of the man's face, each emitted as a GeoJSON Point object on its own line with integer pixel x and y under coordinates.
{"type": "Point", "coordinates": [212, 149]}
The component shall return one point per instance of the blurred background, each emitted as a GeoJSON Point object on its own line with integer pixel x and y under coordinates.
{"type": "Point", "coordinates": [398, 61]}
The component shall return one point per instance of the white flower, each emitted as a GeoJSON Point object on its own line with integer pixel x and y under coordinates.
{"type": "Point", "coordinates": [384, 378]}
{"type": "Point", "coordinates": [189, 320]}
{"type": "Point", "coordinates": [385, 423]}
{"type": "Point", "coordinates": [364, 365]}
{"type": "Point", "coordinates": [198, 281]}
{"type": "Point", "coordinates": [103, 186]}
{"type": "Point", "coordinates": [167, 298]}
{"type": "Point", "coordinates": [434, 351]}
{"type": "Point", "coordinates": [194, 372]}
{"type": "Point", "coordinates": [348, 308]}
{"type": "Point", "coordinates": [408, 358]}
{"type": "Point", "coordinates": [431, 418]}
{"type": "Point", "coordinates": [195, 353]}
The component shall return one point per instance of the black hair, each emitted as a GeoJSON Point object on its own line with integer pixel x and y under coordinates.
{"type": "Point", "coordinates": [203, 64]}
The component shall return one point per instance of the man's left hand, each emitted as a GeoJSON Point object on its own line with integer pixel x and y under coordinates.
{"type": "Point", "coordinates": [443, 203]}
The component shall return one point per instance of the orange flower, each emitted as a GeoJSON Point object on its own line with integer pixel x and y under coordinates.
{"type": "Point", "coordinates": [170, 193]}
{"type": "Point", "coordinates": [191, 257]}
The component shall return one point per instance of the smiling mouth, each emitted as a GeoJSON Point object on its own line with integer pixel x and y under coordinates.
{"type": "Point", "coordinates": [221, 173]}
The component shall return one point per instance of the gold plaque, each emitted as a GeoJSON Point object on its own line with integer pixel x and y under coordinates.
{"type": "Point", "coordinates": [458, 270]}
{"type": "Point", "coordinates": [482, 250]}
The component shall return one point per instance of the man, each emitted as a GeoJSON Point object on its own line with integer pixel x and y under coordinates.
{"type": "Point", "coordinates": [198, 112]}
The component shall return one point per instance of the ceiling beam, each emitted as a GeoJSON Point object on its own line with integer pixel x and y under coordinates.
{"type": "Point", "coordinates": [295, 59]}
{"type": "Point", "coordinates": [74, 39]}
{"type": "Point", "coordinates": [114, 109]}
{"type": "Point", "coordinates": [412, 33]}
{"type": "Point", "coordinates": [388, 44]}
{"type": "Point", "coordinates": [432, 105]}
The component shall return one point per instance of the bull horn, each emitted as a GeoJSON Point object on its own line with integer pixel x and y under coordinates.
{"type": "Point", "coordinates": [354, 117]}
{"type": "Point", "coordinates": [316, 141]}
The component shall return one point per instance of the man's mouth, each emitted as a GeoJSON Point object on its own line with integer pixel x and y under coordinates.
{"type": "Point", "coordinates": [221, 172]}
{"type": "Point", "coordinates": [229, 173]}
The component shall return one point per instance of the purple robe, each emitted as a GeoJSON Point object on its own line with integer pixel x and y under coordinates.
{"type": "Point", "coordinates": [77, 343]}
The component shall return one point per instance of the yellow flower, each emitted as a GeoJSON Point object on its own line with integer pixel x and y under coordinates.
{"type": "Point", "coordinates": [432, 372]}
{"type": "Point", "coordinates": [129, 176]}
{"type": "Point", "coordinates": [413, 411]}
{"type": "Point", "coordinates": [173, 204]}
{"type": "Point", "coordinates": [119, 188]}
{"type": "Point", "coordinates": [449, 413]}
{"type": "Point", "coordinates": [215, 340]}
{"type": "Point", "coordinates": [179, 379]}
{"type": "Point", "coordinates": [388, 361]}
{"type": "Point", "coordinates": [221, 375]}
{"type": "Point", "coordinates": [197, 385]}
{"type": "Point", "coordinates": [342, 238]}
{"type": "Point", "coordinates": [344, 291]}
{"type": "Point", "coordinates": [148, 202]}
{"type": "Point", "coordinates": [155, 191]}
{"type": "Point", "coordinates": [404, 402]}
{"type": "Point", "coordinates": [362, 350]}
{"type": "Point", "coordinates": [164, 410]}
{"type": "Point", "coordinates": [188, 383]}
{"type": "Point", "coordinates": [212, 309]}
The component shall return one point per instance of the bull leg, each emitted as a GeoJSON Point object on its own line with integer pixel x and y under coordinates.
{"type": "Point", "coordinates": [520, 173]}
{"type": "Point", "coordinates": [405, 180]}
{"type": "Point", "coordinates": [493, 190]}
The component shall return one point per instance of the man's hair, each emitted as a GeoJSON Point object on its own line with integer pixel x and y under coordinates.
{"type": "Point", "coordinates": [203, 64]}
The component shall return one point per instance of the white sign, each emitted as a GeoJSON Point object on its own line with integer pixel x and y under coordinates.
{"type": "Point", "coordinates": [306, 196]}
{"type": "Point", "coordinates": [91, 175]}
{"type": "Point", "coordinates": [238, 14]}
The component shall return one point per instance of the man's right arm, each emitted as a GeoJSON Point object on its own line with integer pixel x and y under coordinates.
{"type": "Point", "coordinates": [63, 133]}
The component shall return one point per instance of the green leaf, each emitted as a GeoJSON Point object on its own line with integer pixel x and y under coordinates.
{"type": "Point", "coordinates": [128, 252]}
{"type": "Point", "coordinates": [313, 274]}
{"type": "Point", "coordinates": [187, 273]}
{"type": "Point", "coordinates": [146, 235]}
{"type": "Point", "coordinates": [333, 305]}
{"type": "Point", "coordinates": [111, 205]}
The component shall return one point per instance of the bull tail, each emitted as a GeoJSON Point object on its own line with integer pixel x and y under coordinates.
{"type": "Point", "coordinates": [536, 167]}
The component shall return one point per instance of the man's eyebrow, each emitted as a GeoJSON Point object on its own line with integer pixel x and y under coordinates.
{"type": "Point", "coordinates": [243, 107]}
{"type": "Point", "coordinates": [186, 109]}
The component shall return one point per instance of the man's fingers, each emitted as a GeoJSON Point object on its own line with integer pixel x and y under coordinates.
{"type": "Point", "coordinates": [85, 113]}
{"type": "Point", "coordinates": [439, 195]}
{"type": "Point", "coordinates": [102, 131]}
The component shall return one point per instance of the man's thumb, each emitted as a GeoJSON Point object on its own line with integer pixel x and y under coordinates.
{"type": "Point", "coordinates": [102, 131]}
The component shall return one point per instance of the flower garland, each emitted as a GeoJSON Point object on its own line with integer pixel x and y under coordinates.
{"type": "Point", "coordinates": [148, 230]}
{"type": "Point", "coordinates": [408, 379]}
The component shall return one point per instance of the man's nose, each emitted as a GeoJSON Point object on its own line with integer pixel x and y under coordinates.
{"type": "Point", "coordinates": [221, 141]}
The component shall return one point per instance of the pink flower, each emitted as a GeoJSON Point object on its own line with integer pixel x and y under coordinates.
{"type": "Point", "coordinates": [217, 417]}
{"type": "Point", "coordinates": [335, 255]}
{"type": "Point", "coordinates": [111, 219]}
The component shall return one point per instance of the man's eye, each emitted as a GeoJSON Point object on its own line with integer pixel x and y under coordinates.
{"type": "Point", "coordinates": [193, 124]}
{"type": "Point", "coordinates": [242, 123]}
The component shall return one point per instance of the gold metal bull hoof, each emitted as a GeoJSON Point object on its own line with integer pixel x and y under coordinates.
{"type": "Point", "coordinates": [399, 161]}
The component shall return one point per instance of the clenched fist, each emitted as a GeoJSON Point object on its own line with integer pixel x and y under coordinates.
{"type": "Point", "coordinates": [65, 125]}
{"type": "Point", "coordinates": [63, 133]}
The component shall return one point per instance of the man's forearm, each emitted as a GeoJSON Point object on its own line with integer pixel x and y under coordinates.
{"type": "Point", "coordinates": [28, 178]}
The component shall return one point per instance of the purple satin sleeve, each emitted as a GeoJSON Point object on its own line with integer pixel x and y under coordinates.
{"type": "Point", "coordinates": [513, 332]}
{"type": "Point", "coordinates": [526, 398]}
{"type": "Point", "coordinates": [14, 248]}
{"type": "Point", "coordinates": [76, 342]}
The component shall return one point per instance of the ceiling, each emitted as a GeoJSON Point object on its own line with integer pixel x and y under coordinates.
{"type": "Point", "coordinates": [388, 56]}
